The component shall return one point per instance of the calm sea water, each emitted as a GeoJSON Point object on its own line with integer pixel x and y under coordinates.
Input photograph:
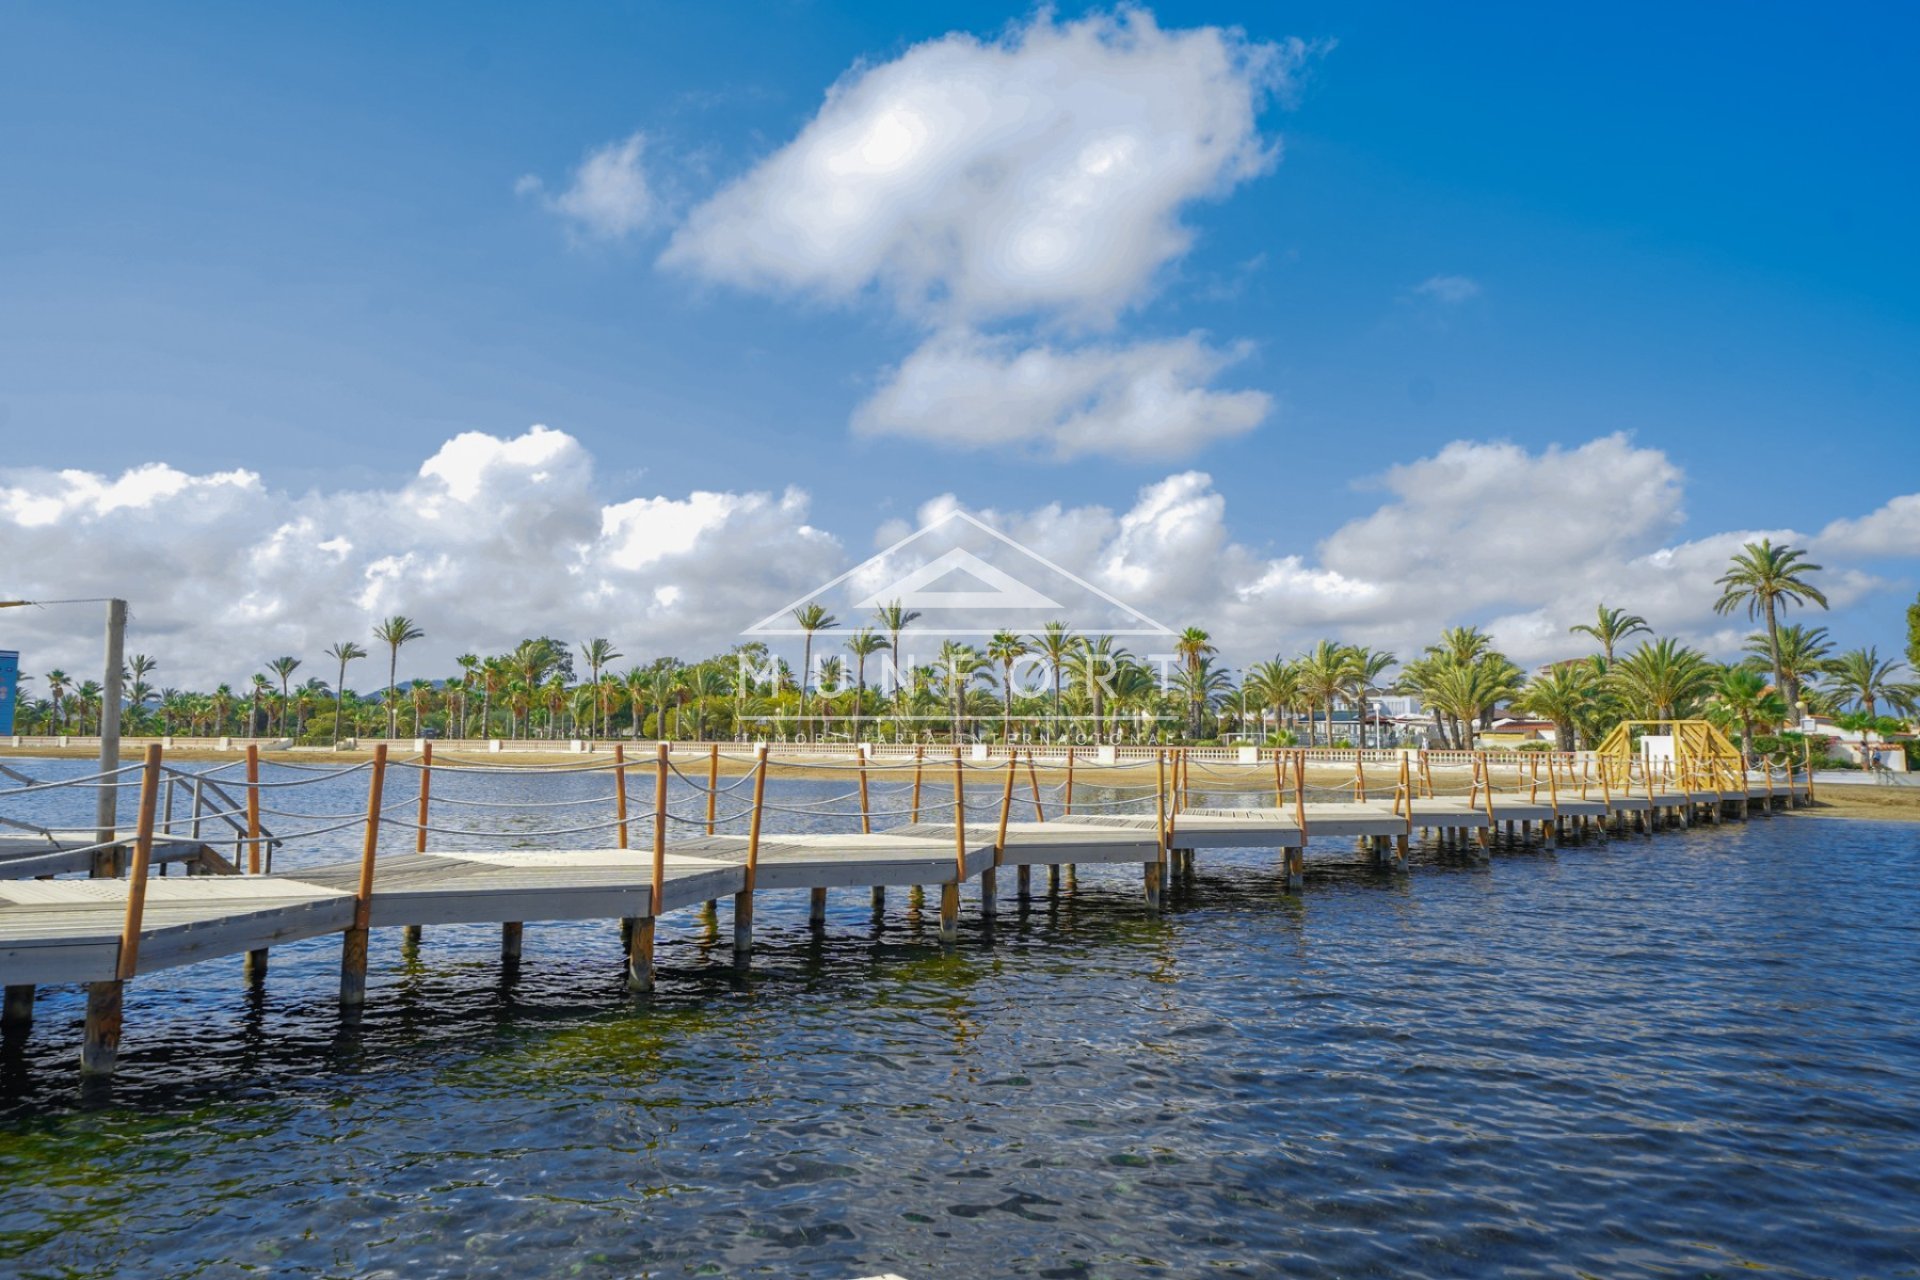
{"type": "Point", "coordinates": [1691, 1056]}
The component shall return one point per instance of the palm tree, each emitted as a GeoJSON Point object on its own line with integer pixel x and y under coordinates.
{"type": "Point", "coordinates": [260, 688]}
{"type": "Point", "coordinates": [1006, 648]}
{"type": "Point", "coordinates": [139, 667]}
{"type": "Point", "coordinates": [811, 618]}
{"type": "Point", "coordinates": [1610, 627]}
{"type": "Point", "coordinates": [1563, 694]}
{"type": "Point", "coordinates": [284, 667]}
{"type": "Point", "coordinates": [1765, 579]}
{"type": "Point", "coordinates": [639, 682]}
{"type": "Point", "coordinates": [704, 681]}
{"type": "Point", "coordinates": [89, 696]}
{"type": "Point", "coordinates": [343, 652]}
{"type": "Point", "coordinates": [1193, 645]}
{"type": "Point", "coordinates": [58, 682]}
{"type": "Point", "coordinates": [394, 632]}
{"type": "Point", "coordinates": [665, 687]}
{"type": "Point", "coordinates": [599, 654]}
{"type": "Point", "coordinates": [469, 665]}
{"type": "Point", "coordinates": [1664, 678]}
{"type": "Point", "coordinates": [833, 679]}
{"type": "Point", "coordinates": [863, 645]}
{"type": "Point", "coordinates": [495, 676]}
{"type": "Point", "coordinates": [1201, 686]}
{"type": "Point", "coordinates": [1324, 676]}
{"type": "Point", "coordinates": [1748, 697]}
{"type": "Point", "coordinates": [304, 700]}
{"type": "Point", "coordinates": [959, 665]}
{"type": "Point", "coordinates": [1365, 667]}
{"type": "Point", "coordinates": [1274, 683]}
{"type": "Point", "coordinates": [530, 662]}
{"type": "Point", "coordinates": [1055, 642]}
{"type": "Point", "coordinates": [1863, 679]}
{"type": "Point", "coordinates": [893, 618]}
{"type": "Point", "coordinates": [1805, 654]}
{"type": "Point", "coordinates": [1092, 665]}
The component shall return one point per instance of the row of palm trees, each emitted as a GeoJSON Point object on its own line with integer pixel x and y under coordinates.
{"type": "Point", "coordinates": [1053, 684]}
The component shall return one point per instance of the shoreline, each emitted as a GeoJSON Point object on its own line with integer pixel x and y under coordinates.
{"type": "Point", "coordinates": [1855, 802]}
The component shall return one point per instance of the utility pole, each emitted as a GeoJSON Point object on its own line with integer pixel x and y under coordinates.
{"type": "Point", "coordinates": [107, 813]}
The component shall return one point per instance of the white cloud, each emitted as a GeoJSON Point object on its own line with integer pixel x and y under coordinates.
{"type": "Point", "coordinates": [496, 538]}
{"type": "Point", "coordinates": [1893, 530]}
{"type": "Point", "coordinates": [609, 197]}
{"type": "Point", "coordinates": [1042, 173]}
{"type": "Point", "coordinates": [1448, 289]}
{"type": "Point", "coordinates": [492, 540]}
{"type": "Point", "coordinates": [1139, 400]}
{"type": "Point", "coordinates": [1524, 543]}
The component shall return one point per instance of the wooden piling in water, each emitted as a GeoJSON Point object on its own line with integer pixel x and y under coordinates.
{"type": "Point", "coordinates": [640, 973]}
{"type": "Point", "coordinates": [629, 923]}
{"type": "Point", "coordinates": [743, 900]}
{"type": "Point", "coordinates": [254, 967]}
{"type": "Point", "coordinates": [353, 945]}
{"type": "Point", "coordinates": [410, 936]}
{"type": "Point", "coordinates": [950, 890]}
{"type": "Point", "coordinates": [100, 1043]}
{"type": "Point", "coordinates": [1162, 817]}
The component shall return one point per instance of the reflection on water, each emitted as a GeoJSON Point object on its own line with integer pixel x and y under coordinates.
{"type": "Point", "coordinates": [1686, 1056]}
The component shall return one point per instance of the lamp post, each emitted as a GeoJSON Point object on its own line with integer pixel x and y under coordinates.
{"type": "Point", "coordinates": [107, 800]}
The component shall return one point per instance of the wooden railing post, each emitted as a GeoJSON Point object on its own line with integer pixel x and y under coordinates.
{"type": "Point", "coordinates": [919, 767]}
{"type": "Point", "coordinates": [1033, 779]}
{"type": "Point", "coordinates": [1165, 804]}
{"type": "Point", "coordinates": [950, 891]}
{"type": "Point", "coordinates": [353, 949]}
{"type": "Point", "coordinates": [990, 878]}
{"type": "Point", "coordinates": [410, 935]}
{"type": "Point", "coordinates": [620, 793]}
{"type": "Point", "coordinates": [713, 785]}
{"type": "Point", "coordinates": [743, 900]}
{"type": "Point", "coordinates": [640, 975]}
{"type": "Point", "coordinates": [253, 808]}
{"type": "Point", "coordinates": [100, 1047]}
{"type": "Point", "coordinates": [866, 819]}
{"type": "Point", "coordinates": [1068, 809]}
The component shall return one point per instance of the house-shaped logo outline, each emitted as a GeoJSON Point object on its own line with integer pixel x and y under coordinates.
{"type": "Point", "coordinates": [1009, 592]}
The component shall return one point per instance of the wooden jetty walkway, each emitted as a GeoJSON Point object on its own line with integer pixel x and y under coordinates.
{"type": "Point", "coordinates": [128, 917]}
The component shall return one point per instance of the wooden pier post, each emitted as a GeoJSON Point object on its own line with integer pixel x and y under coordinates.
{"type": "Point", "coordinates": [1553, 798]}
{"type": "Point", "coordinates": [743, 900]}
{"type": "Point", "coordinates": [353, 946]}
{"type": "Point", "coordinates": [254, 967]}
{"type": "Point", "coordinates": [990, 878]}
{"type": "Point", "coordinates": [17, 1014]}
{"type": "Point", "coordinates": [640, 973]}
{"type": "Point", "coordinates": [100, 1045]}
{"type": "Point", "coordinates": [629, 923]}
{"type": "Point", "coordinates": [713, 798]}
{"type": "Point", "coordinates": [919, 767]}
{"type": "Point", "coordinates": [410, 935]}
{"type": "Point", "coordinates": [1068, 811]}
{"type": "Point", "coordinates": [1162, 806]}
{"type": "Point", "coordinates": [1025, 889]}
{"type": "Point", "coordinates": [950, 890]}
{"type": "Point", "coordinates": [866, 824]}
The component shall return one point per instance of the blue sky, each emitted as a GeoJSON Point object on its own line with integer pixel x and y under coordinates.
{"type": "Point", "coordinates": [292, 242]}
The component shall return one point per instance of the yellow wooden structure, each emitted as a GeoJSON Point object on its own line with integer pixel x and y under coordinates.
{"type": "Point", "coordinates": [1703, 757]}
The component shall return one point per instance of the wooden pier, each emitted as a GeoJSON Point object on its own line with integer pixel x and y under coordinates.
{"type": "Point", "coordinates": [128, 919]}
